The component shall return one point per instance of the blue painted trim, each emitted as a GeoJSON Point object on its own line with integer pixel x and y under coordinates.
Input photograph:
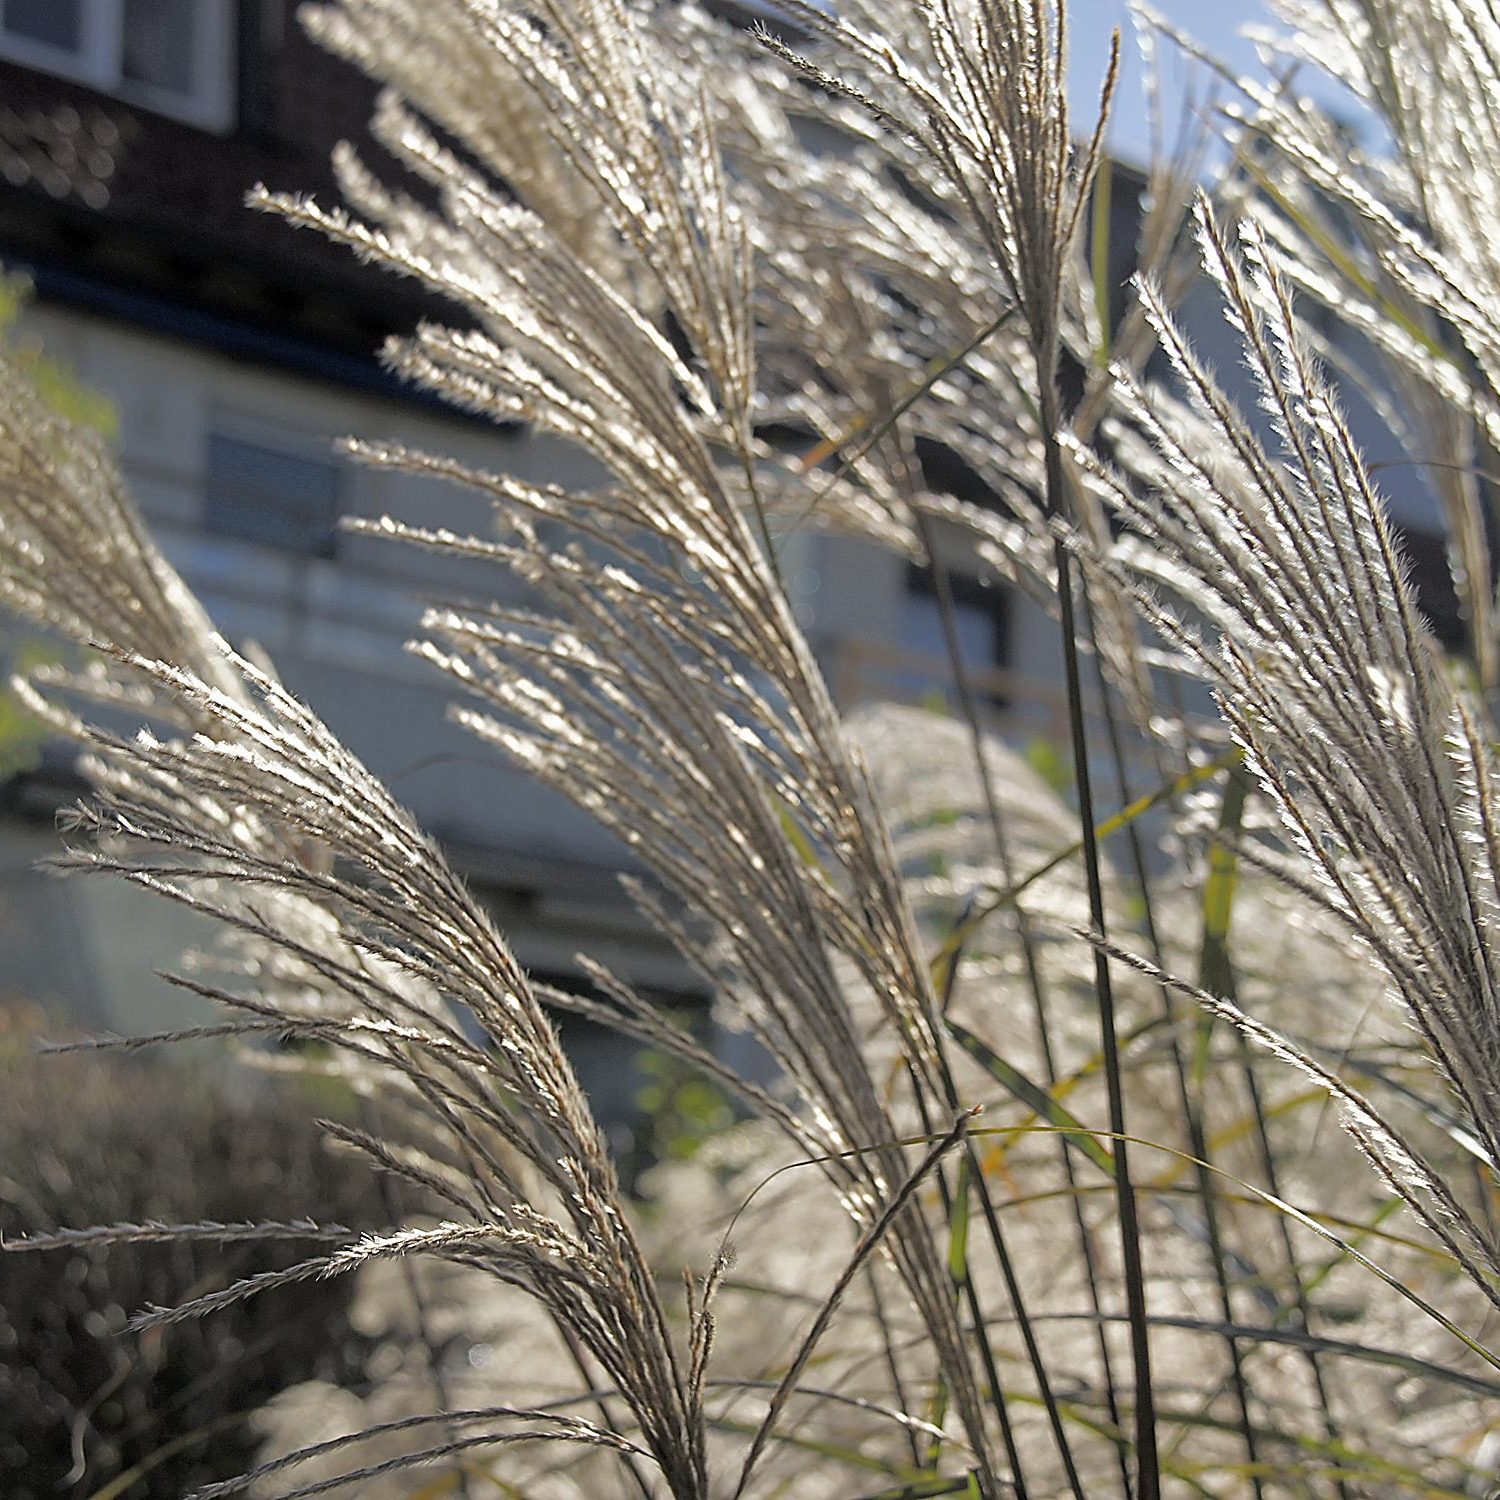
{"type": "Point", "coordinates": [228, 336]}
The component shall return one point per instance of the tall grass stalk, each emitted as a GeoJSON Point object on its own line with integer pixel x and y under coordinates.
{"type": "Point", "coordinates": [862, 1289]}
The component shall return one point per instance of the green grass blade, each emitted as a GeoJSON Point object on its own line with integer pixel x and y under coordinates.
{"type": "Point", "coordinates": [1099, 257]}
{"type": "Point", "coordinates": [1215, 972]}
{"type": "Point", "coordinates": [1035, 1098]}
{"type": "Point", "coordinates": [841, 1453]}
{"type": "Point", "coordinates": [939, 1484]}
{"type": "Point", "coordinates": [1190, 779]}
{"type": "Point", "coordinates": [1387, 1210]}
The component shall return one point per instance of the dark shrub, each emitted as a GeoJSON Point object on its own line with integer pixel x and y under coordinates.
{"type": "Point", "coordinates": [89, 1140]}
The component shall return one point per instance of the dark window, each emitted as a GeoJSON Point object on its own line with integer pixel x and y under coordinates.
{"type": "Point", "coordinates": [268, 495]}
{"type": "Point", "coordinates": [158, 44]}
{"type": "Point", "coordinates": [55, 23]}
{"type": "Point", "coordinates": [172, 56]}
{"type": "Point", "coordinates": [981, 622]}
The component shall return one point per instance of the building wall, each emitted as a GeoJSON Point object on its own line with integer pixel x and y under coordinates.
{"type": "Point", "coordinates": [335, 625]}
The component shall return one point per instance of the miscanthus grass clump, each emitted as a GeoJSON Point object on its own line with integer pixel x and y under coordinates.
{"type": "Point", "coordinates": [1106, 1163]}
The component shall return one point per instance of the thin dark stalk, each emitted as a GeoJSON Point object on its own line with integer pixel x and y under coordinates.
{"type": "Point", "coordinates": [1024, 1323]}
{"type": "Point", "coordinates": [943, 590]}
{"type": "Point", "coordinates": [439, 1378]}
{"type": "Point", "coordinates": [893, 1368]}
{"type": "Point", "coordinates": [1148, 1464]}
{"type": "Point", "coordinates": [903, 466]}
{"type": "Point", "coordinates": [1234, 801]}
{"type": "Point", "coordinates": [762, 521]}
{"type": "Point", "coordinates": [1239, 1383]}
{"type": "Point", "coordinates": [1300, 1302]}
{"type": "Point", "coordinates": [1192, 1112]}
{"type": "Point", "coordinates": [867, 1245]}
{"type": "Point", "coordinates": [986, 1352]}
{"type": "Point", "coordinates": [600, 1399]}
{"type": "Point", "coordinates": [1219, 979]}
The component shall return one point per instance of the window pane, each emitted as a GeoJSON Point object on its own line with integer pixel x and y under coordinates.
{"type": "Point", "coordinates": [261, 494]}
{"type": "Point", "coordinates": [922, 633]}
{"type": "Point", "coordinates": [157, 44]}
{"type": "Point", "coordinates": [979, 615]}
{"type": "Point", "coordinates": [58, 23]}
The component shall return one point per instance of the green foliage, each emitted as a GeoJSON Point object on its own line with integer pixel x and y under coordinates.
{"type": "Point", "coordinates": [21, 736]}
{"type": "Point", "coordinates": [680, 1110]}
{"type": "Point", "coordinates": [1049, 760]}
{"type": "Point", "coordinates": [59, 387]}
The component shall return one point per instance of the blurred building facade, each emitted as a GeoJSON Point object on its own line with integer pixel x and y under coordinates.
{"type": "Point", "coordinates": [236, 352]}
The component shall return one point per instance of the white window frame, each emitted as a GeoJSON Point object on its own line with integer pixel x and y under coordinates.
{"type": "Point", "coordinates": [98, 62]}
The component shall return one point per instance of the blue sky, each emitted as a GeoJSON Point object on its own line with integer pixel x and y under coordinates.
{"type": "Point", "coordinates": [1216, 24]}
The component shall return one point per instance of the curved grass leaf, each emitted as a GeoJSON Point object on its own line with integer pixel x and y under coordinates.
{"type": "Point", "coordinates": [939, 1484]}
{"type": "Point", "coordinates": [1037, 1099]}
{"type": "Point", "coordinates": [1193, 777]}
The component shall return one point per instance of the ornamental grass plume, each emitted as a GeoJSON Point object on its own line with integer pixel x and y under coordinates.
{"type": "Point", "coordinates": [1146, 1267]}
